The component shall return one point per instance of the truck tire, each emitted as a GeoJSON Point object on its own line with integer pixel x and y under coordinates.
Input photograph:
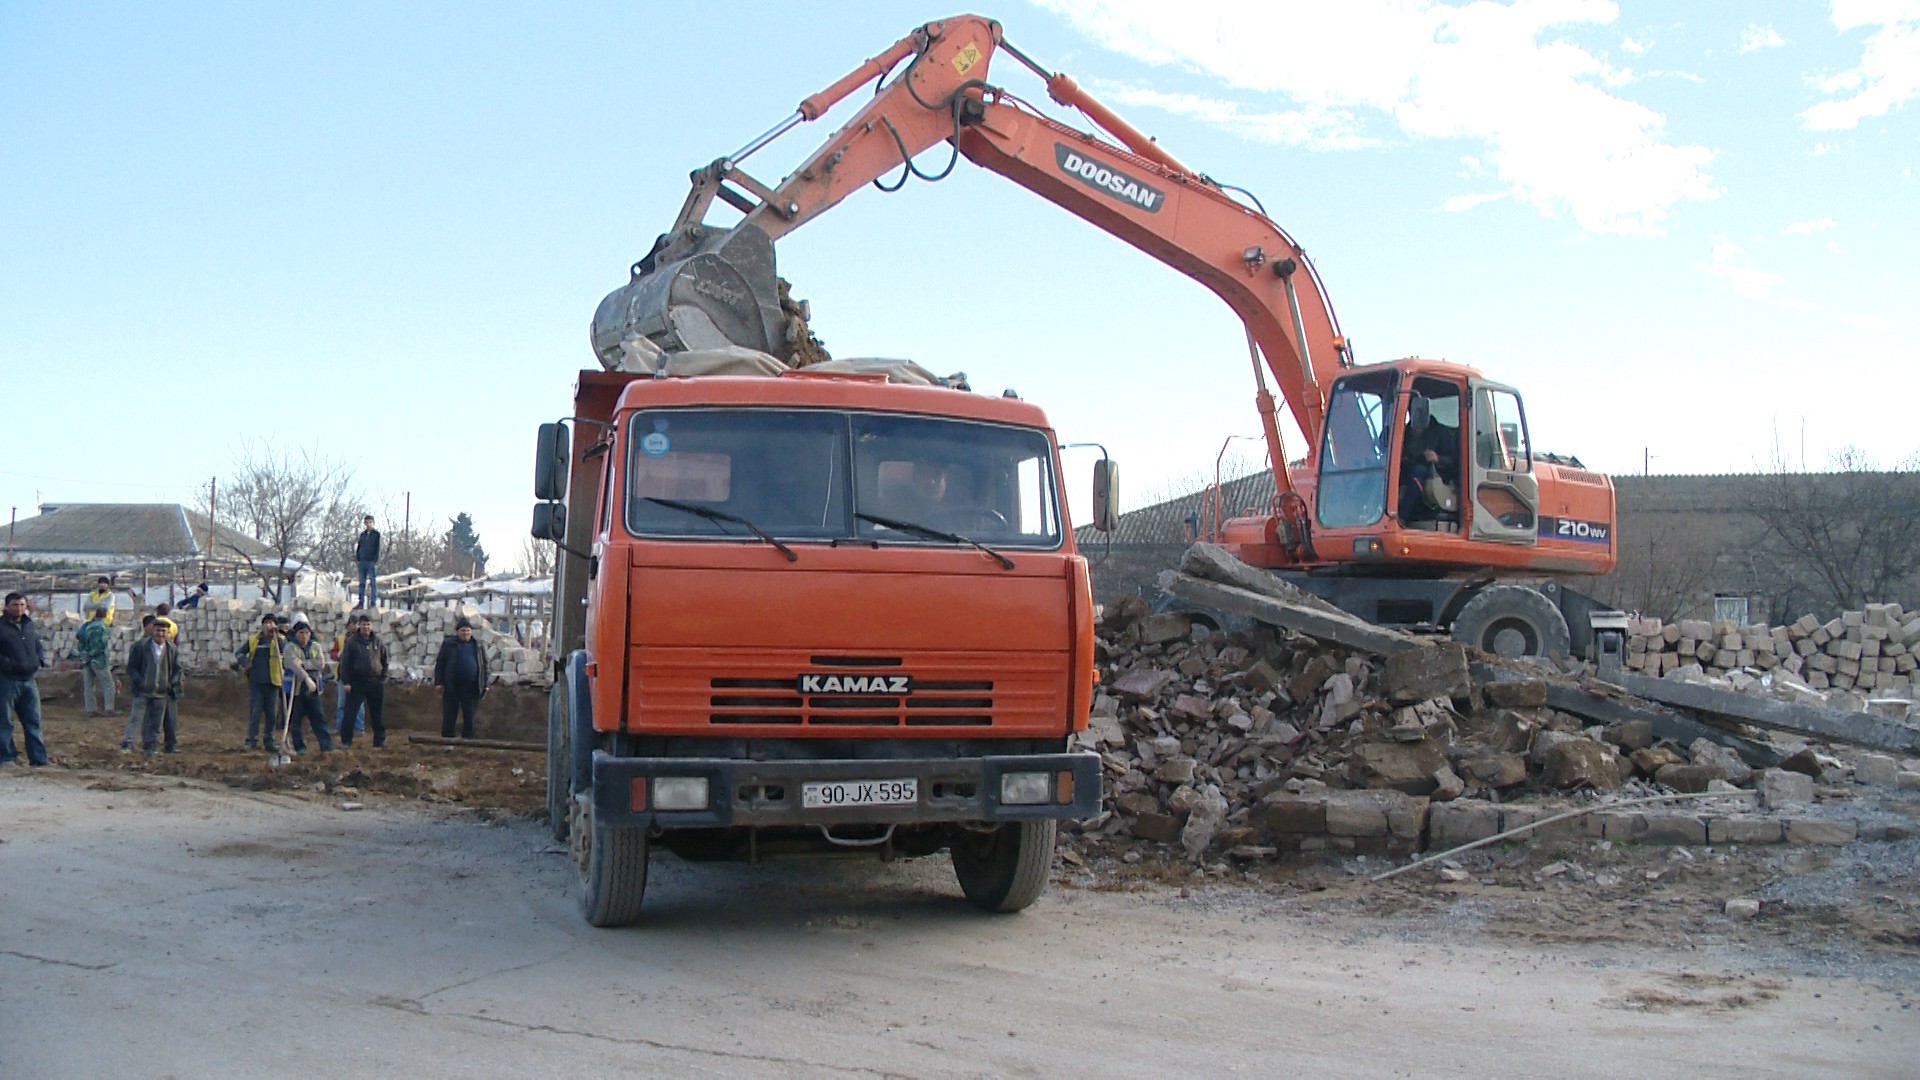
{"type": "Point", "coordinates": [1006, 869]}
{"type": "Point", "coordinates": [1512, 621]}
{"type": "Point", "coordinates": [559, 763]}
{"type": "Point", "coordinates": [612, 865]}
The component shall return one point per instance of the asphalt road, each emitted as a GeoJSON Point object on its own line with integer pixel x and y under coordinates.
{"type": "Point", "coordinates": [175, 929]}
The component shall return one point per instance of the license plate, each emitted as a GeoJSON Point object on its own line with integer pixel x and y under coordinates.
{"type": "Point", "coordinates": [859, 793]}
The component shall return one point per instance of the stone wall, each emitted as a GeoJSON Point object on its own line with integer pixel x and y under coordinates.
{"type": "Point", "coordinates": [210, 634]}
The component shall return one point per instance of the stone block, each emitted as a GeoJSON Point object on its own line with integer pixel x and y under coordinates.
{"type": "Point", "coordinates": [1142, 683]}
{"type": "Point", "coordinates": [1420, 674]}
{"type": "Point", "coordinates": [1630, 735]}
{"type": "Point", "coordinates": [1810, 831]}
{"type": "Point", "coordinates": [1674, 827]}
{"type": "Point", "coordinates": [1406, 767]}
{"type": "Point", "coordinates": [1876, 770]}
{"type": "Point", "coordinates": [1745, 829]}
{"type": "Point", "coordinates": [1157, 828]}
{"type": "Point", "coordinates": [1583, 763]}
{"type": "Point", "coordinates": [1285, 812]}
{"type": "Point", "coordinates": [1496, 770]}
{"type": "Point", "coordinates": [1783, 788]}
{"type": "Point", "coordinates": [1516, 694]}
{"type": "Point", "coordinates": [1376, 813]}
{"type": "Point", "coordinates": [1689, 778]}
{"type": "Point", "coordinates": [1461, 822]}
{"type": "Point", "coordinates": [1165, 627]}
{"type": "Point", "coordinates": [1622, 826]}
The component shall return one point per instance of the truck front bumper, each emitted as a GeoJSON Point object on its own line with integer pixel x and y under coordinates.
{"type": "Point", "coordinates": [768, 793]}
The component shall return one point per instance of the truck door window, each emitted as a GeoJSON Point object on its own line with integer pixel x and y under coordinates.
{"type": "Point", "coordinates": [990, 483]}
{"type": "Point", "coordinates": [1353, 451]}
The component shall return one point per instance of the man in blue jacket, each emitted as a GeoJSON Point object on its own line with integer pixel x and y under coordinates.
{"type": "Point", "coordinates": [21, 658]}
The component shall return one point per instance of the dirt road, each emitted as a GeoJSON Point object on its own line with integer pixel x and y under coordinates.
{"type": "Point", "coordinates": [165, 926]}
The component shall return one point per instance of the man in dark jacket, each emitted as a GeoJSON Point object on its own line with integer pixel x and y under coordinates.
{"type": "Point", "coordinates": [366, 553]}
{"type": "Point", "coordinates": [153, 680]}
{"type": "Point", "coordinates": [21, 659]}
{"type": "Point", "coordinates": [259, 659]}
{"type": "Point", "coordinates": [363, 670]}
{"type": "Point", "coordinates": [460, 674]}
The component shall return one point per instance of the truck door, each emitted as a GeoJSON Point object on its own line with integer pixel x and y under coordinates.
{"type": "Point", "coordinates": [1505, 494]}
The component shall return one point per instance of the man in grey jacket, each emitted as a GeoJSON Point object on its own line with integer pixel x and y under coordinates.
{"type": "Point", "coordinates": [153, 680]}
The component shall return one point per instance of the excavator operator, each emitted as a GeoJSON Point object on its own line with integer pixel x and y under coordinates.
{"type": "Point", "coordinates": [1430, 451]}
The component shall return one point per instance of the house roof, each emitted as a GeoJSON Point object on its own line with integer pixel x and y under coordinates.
{"type": "Point", "coordinates": [127, 530]}
{"type": "Point", "coordinates": [1166, 522]}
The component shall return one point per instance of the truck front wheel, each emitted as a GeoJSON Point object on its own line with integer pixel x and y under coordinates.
{"type": "Point", "coordinates": [1005, 869]}
{"type": "Point", "coordinates": [612, 866]}
{"type": "Point", "coordinates": [559, 763]}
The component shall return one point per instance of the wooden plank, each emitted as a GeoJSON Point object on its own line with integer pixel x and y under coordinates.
{"type": "Point", "coordinates": [1337, 628]}
{"type": "Point", "coordinates": [478, 744]}
{"type": "Point", "coordinates": [1603, 709]}
{"type": "Point", "coordinates": [1854, 729]}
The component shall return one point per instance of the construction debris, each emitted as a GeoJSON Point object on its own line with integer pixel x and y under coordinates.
{"type": "Point", "coordinates": [1860, 661]}
{"type": "Point", "coordinates": [1314, 733]}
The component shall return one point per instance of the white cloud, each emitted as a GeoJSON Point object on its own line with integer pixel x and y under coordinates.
{"type": "Point", "coordinates": [1462, 203]}
{"type": "Point", "coordinates": [1868, 322]}
{"type": "Point", "coordinates": [1756, 37]}
{"type": "Point", "coordinates": [1728, 261]}
{"type": "Point", "coordinates": [1831, 247]}
{"type": "Point", "coordinates": [1492, 74]}
{"type": "Point", "coordinates": [1809, 227]}
{"type": "Point", "coordinates": [1634, 47]}
{"type": "Point", "coordinates": [1888, 75]}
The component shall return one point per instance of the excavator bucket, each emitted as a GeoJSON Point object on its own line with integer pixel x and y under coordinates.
{"type": "Point", "coordinates": [700, 288]}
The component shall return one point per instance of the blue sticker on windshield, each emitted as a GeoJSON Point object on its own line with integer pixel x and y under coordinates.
{"type": "Point", "coordinates": [655, 445]}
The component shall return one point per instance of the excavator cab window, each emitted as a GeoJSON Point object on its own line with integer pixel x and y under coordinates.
{"type": "Point", "coordinates": [1429, 495]}
{"type": "Point", "coordinates": [1354, 448]}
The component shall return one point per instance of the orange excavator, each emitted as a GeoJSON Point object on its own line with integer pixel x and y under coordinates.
{"type": "Point", "coordinates": [1420, 499]}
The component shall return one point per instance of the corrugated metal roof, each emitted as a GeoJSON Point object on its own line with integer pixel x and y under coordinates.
{"type": "Point", "coordinates": [138, 530]}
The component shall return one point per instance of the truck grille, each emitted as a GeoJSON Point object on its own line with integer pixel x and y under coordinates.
{"type": "Point", "coordinates": [931, 703]}
{"type": "Point", "coordinates": [684, 690]}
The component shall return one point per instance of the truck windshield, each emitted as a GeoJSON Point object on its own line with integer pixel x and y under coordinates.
{"type": "Point", "coordinates": [808, 474]}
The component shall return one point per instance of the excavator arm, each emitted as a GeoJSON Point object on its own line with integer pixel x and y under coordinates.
{"type": "Point", "coordinates": [703, 285]}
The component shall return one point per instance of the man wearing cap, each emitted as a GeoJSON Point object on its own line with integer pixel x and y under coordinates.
{"type": "Point", "coordinates": [153, 681]}
{"type": "Point", "coordinates": [308, 664]}
{"type": "Point", "coordinates": [102, 596]}
{"type": "Point", "coordinates": [460, 675]}
{"type": "Point", "coordinates": [259, 656]}
{"type": "Point", "coordinates": [363, 668]}
{"type": "Point", "coordinates": [96, 663]}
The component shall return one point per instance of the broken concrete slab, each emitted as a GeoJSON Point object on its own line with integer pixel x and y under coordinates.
{"type": "Point", "coordinates": [1332, 626]}
{"type": "Point", "coordinates": [1600, 702]}
{"type": "Point", "coordinates": [1856, 729]}
{"type": "Point", "coordinates": [1421, 674]}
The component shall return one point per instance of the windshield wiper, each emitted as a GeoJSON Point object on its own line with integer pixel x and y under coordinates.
{"type": "Point", "coordinates": [924, 530]}
{"type": "Point", "coordinates": [720, 515]}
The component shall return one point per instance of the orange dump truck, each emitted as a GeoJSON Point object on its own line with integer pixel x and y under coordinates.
{"type": "Point", "coordinates": [812, 613]}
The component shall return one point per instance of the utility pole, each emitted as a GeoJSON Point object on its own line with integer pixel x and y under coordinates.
{"type": "Point", "coordinates": [406, 523]}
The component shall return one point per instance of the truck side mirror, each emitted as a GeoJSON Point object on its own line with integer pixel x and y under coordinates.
{"type": "Point", "coordinates": [550, 521]}
{"type": "Point", "coordinates": [553, 452]}
{"type": "Point", "coordinates": [1106, 495]}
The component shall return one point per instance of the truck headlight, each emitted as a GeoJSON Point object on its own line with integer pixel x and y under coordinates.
{"type": "Point", "coordinates": [1025, 788]}
{"type": "Point", "coordinates": [679, 793]}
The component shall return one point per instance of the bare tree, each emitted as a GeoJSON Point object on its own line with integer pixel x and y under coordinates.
{"type": "Point", "coordinates": [1665, 564]}
{"type": "Point", "coordinates": [282, 499]}
{"type": "Point", "coordinates": [536, 558]}
{"type": "Point", "coordinates": [1855, 529]}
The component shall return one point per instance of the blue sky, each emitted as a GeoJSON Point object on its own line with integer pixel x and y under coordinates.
{"type": "Point", "coordinates": [378, 232]}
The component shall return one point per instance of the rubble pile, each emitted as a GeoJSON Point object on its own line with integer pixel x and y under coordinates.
{"type": "Point", "coordinates": [1264, 742]}
{"type": "Point", "coordinates": [211, 633]}
{"type": "Point", "coordinates": [1860, 654]}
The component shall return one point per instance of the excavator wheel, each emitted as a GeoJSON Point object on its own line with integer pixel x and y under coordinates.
{"type": "Point", "coordinates": [1511, 621]}
{"type": "Point", "coordinates": [1006, 869]}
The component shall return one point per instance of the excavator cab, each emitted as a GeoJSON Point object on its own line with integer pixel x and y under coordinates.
{"type": "Point", "coordinates": [1433, 447]}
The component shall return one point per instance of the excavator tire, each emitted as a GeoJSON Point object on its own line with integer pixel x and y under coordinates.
{"type": "Point", "coordinates": [1006, 869]}
{"type": "Point", "coordinates": [612, 865]}
{"type": "Point", "coordinates": [1512, 621]}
